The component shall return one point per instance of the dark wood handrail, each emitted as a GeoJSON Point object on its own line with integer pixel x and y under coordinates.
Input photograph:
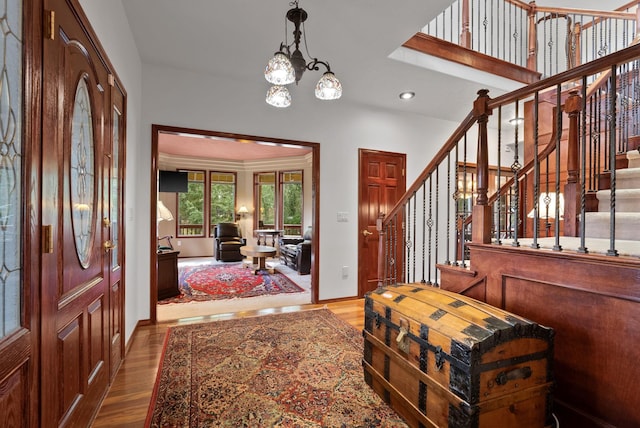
{"type": "Point", "coordinates": [599, 13]}
{"type": "Point", "coordinates": [466, 124]}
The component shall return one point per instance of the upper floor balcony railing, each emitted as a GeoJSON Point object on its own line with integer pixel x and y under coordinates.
{"type": "Point", "coordinates": [548, 40]}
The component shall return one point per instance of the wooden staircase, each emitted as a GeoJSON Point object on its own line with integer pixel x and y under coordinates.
{"type": "Point", "coordinates": [496, 254]}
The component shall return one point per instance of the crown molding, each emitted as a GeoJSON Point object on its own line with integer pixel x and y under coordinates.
{"type": "Point", "coordinates": [166, 161]}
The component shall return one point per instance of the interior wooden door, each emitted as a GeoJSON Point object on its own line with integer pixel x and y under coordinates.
{"type": "Point", "coordinates": [78, 327]}
{"type": "Point", "coordinates": [382, 183]}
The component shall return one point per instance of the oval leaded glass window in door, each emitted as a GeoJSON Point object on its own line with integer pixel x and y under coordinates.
{"type": "Point", "coordinates": [82, 174]}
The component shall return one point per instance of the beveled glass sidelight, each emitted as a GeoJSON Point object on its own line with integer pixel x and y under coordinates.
{"type": "Point", "coordinates": [115, 190]}
{"type": "Point", "coordinates": [82, 174]}
{"type": "Point", "coordinates": [11, 159]}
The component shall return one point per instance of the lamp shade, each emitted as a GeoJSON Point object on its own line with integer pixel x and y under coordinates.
{"type": "Point", "coordinates": [243, 210]}
{"type": "Point", "coordinates": [328, 87]}
{"type": "Point", "coordinates": [279, 70]}
{"type": "Point", "coordinates": [163, 213]}
{"type": "Point", "coordinates": [278, 96]}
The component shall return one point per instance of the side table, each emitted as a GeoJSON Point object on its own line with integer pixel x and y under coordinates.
{"type": "Point", "coordinates": [167, 274]}
{"type": "Point", "coordinates": [259, 254]}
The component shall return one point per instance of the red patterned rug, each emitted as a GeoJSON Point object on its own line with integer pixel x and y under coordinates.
{"type": "Point", "coordinates": [216, 282]}
{"type": "Point", "coordinates": [299, 369]}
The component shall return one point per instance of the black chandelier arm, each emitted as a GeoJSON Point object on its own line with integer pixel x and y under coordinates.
{"type": "Point", "coordinates": [313, 65]}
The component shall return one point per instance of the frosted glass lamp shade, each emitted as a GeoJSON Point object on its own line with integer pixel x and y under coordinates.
{"type": "Point", "coordinates": [328, 87]}
{"type": "Point", "coordinates": [278, 96]}
{"type": "Point", "coordinates": [279, 70]}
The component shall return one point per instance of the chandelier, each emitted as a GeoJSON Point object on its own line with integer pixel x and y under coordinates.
{"type": "Point", "coordinates": [286, 67]}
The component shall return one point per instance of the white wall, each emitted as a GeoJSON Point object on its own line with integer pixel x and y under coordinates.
{"type": "Point", "coordinates": [182, 98]}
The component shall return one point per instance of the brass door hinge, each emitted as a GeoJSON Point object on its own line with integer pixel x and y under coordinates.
{"type": "Point", "coordinates": [47, 239]}
{"type": "Point", "coordinates": [50, 24]}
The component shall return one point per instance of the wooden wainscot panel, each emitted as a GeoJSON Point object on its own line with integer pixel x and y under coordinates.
{"type": "Point", "coordinates": [13, 399]}
{"type": "Point", "coordinates": [70, 365]}
{"type": "Point", "coordinates": [593, 304]}
{"type": "Point", "coordinates": [95, 316]}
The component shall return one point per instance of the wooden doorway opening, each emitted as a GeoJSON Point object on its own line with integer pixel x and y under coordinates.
{"type": "Point", "coordinates": [240, 140]}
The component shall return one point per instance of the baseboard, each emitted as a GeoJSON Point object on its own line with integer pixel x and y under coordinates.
{"type": "Point", "coordinates": [140, 323]}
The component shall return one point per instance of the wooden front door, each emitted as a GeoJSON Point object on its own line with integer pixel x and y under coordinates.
{"type": "Point", "coordinates": [81, 305]}
{"type": "Point", "coordinates": [382, 183]}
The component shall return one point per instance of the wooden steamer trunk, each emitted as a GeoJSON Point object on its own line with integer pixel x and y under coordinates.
{"type": "Point", "coordinates": [445, 360]}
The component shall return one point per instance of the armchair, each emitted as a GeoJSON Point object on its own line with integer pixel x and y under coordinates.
{"type": "Point", "coordinates": [295, 252]}
{"type": "Point", "coordinates": [227, 242]}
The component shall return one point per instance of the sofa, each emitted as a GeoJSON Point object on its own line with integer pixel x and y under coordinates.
{"type": "Point", "coordinates": [227, 242]}
{"type": "Point", "coordinates": [295, 252]}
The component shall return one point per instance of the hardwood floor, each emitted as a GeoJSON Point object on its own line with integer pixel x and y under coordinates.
{"type": "Point", "coordinates": [128, 399]}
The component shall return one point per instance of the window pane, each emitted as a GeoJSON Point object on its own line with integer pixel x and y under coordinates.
{"type": "Point", "coordinates": [266, 195]}
{"type": "Point", "coordinates": [191, 206]}
{"type": "Point", "coordinates": [10, 167]}
{"type": "Point", "coordinates": [115, 191]}
{"type": "Point", "coordinates": [223, 198]}
{"type": "Point", "coordinates": [292, 202]}
{"type": "Point", "coordinates": [82, 174]}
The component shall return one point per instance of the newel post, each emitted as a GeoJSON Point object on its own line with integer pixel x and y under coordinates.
{"type": "Point", "coordinates": [482, 219]}
{"type": "Point", "coordinates": [572, 193]}
{"type": "Point", "coordinates": [532, 54]}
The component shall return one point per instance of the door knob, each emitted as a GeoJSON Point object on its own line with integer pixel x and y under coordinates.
{"type": "Point", "coordinates": [108, 246]}
{"type": "Point", "coordinates": [366, 233]}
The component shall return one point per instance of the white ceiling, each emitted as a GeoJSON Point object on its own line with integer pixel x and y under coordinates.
{"type": "Point", "coordinates": [236, 38]}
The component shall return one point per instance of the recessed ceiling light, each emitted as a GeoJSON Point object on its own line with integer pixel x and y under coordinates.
{"type": "Point", "coordinates": [516, 121]}
{"type": "Point", "coordinates": [407, 95]}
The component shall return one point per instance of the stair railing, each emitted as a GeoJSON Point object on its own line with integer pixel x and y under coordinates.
{"type": "Point", "coordinates": [548, 40]}
{"type": "Point", "coordinates": [502, 182]}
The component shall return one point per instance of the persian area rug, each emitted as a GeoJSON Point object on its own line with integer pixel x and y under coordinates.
{"type": "Point", "coordinates": [216, 282]}
{"type": "Point", "coordinates": [298, 369]}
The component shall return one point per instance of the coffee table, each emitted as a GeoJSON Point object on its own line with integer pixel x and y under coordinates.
{"type": "Point", "coordinates": [259, 254]}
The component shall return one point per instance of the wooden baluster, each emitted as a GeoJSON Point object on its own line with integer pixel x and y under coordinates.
{"type": "Point", "coordinates": [465, 34]}
{"type": "Point", "coordinates": [572, 194]}
{"type": "Point", "coordinates": [577, 34]}
{"type": "Point", "coordinates": [532, 57]}
{"type": "Point", "coordinates": [481, 229]}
